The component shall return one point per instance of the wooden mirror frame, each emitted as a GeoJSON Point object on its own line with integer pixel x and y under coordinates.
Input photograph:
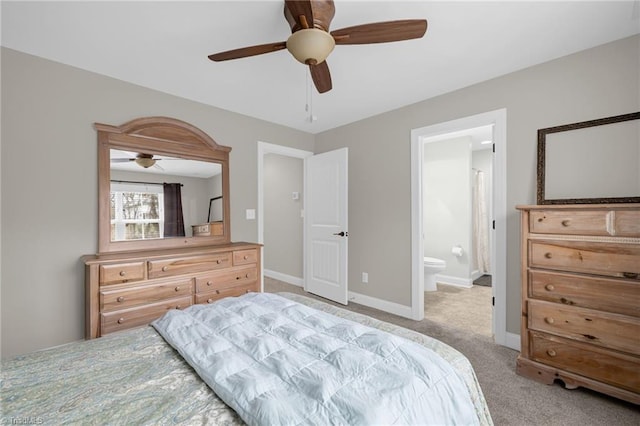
{"type": "Point", "coordinates": [161, 136]}
{"type": "Point", "coordinates": [542, 135]}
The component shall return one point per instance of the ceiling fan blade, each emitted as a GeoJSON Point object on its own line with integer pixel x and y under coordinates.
{"type": "Point", "coordinates": [248, 51]}
{"type": "Point", "coordinates": [381, 32]}
{"type": "Point", "coordinates": [122, 160]}
{"type": "Point", "coordinates": [321, 76]}
{"type": "Point", "coordinates": [300, 8]}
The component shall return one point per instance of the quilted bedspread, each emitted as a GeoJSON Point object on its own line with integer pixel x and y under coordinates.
{"type": "Point", "coordinates": [275, 361]}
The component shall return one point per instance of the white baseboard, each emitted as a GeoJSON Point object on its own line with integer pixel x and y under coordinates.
{"type": "Point", "coordinates": [512, 341]}
{"type": "Point", "coordinates": [476, 274]}
{"type": "Point", "coordinates": [454, 281]}
{"type": "Point", "coordinates": [383, 305]}
{"type": "Point", "coordinates": [289, 279]}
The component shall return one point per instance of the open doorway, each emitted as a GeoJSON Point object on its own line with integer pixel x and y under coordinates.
{"type": "Point", "coordinates": [280, 211]}
{"type": "Point", "coordinates": [457, 202]}
{"type": "Point", "coordinates": [497, 253]}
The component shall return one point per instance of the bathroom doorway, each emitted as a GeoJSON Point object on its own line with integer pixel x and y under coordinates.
{"type": "Point", "coordinates": [495, 179]}
{"type": "Point", "coordinates": [457, 201]}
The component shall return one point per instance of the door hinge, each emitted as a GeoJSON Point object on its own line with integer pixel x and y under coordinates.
{"type": "Point", "coordinates": [493, 301]}
{"type": "Point", "coordinates": [493, 148]}
{"type": "Point", "coordinates": [493, 224]}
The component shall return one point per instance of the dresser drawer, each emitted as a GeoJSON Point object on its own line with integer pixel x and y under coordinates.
{"type": "Point", "coordinates": [606, 366]}
{"type": "Point", "coordinates": [121, 273]}
{"type": "Point", "coordinates": [188, 265]}
{"type": "Point", "coordinates": [616, 260]}
{"type": "Point", "coordinates": [604, 329]}
{"type": "Point", "coordinates": [606, 294]}
{"type": "Point", "coordinates": [212, 296]}
{"type": "Point", "coordinates": [245, 257]}
{"type": "Point", "coordinates": [585, 222]}
{"type": "Point", "coordinates": [227, 278]}
{"type": "Point", "coordinates": [133, 317]}
{"type": "Point", "coordinates": [120, 298]}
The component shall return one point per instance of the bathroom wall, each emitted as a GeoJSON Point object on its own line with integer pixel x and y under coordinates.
{"type": "Point", "coordinates": [447, 206]}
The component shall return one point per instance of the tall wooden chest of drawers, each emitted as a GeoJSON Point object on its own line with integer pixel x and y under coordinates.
{"type": "Point", "coordinates": [581, 297]}
{"type": "Point", "coordinates": [125, 290]}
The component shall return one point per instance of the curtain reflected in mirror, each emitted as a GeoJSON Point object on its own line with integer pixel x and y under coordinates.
{"type": "Point", "coordinates": [158, 197]}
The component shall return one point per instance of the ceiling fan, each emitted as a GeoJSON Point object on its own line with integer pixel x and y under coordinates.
{"type": "Point", "coordinates": [311, 42]}
{"type": "Point", "coordinates": [142, 160]}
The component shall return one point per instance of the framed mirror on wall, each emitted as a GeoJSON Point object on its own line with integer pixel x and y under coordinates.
{"type": "Point", "coordinates": [590, 162]}
{"type": "Point", "coordinates": [157, 176]}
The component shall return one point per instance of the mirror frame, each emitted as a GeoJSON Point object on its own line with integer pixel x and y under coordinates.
{"type": "Point", "coordinates": [161, 136]}
{"type": "Point", "coordinates": [542, 135]}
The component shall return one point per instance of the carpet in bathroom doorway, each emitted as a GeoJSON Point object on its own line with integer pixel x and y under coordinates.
{"type": "Point", "coordinates": [484, 280]}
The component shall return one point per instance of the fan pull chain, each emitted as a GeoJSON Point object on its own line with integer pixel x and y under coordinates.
{"type": "Point", "coordinates": [309, 105]}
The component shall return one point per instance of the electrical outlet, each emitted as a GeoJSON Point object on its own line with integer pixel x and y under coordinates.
{"type": "Point", "coordinates": [365, 277]}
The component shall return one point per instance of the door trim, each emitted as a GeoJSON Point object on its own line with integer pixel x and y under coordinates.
{"type": "Point", "coordinates": [499, 249]}
{"type": "Point", "coordinates": [265, 148]}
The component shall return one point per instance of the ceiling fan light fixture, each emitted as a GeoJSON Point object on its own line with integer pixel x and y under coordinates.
{"type": "Point", "coordinates": [310, 46]}
{"type": "Point", "coordinates": [145, 162]}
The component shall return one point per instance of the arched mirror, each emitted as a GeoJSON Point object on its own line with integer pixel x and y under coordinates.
{"type": "Point", "coordinates": [163, 183]}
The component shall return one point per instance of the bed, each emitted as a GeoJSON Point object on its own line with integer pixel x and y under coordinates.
{"type": "Point", "coordinates": [136, 377]}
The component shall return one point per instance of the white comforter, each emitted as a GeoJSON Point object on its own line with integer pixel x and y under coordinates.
{"type": "Point", "coordinates": [275, 361]}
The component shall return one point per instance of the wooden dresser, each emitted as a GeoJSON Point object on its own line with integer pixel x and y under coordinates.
{"type": "Point", "coordinates": [581, 297]}
{"type": "Point", "coordinates": [130, 289]}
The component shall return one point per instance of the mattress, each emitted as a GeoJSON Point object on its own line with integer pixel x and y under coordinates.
{"type": "Point", "coordinates": [135, 377]}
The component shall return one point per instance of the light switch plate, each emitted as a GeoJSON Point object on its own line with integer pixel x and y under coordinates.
{"type": "Point", "coordinates": [251, 214]}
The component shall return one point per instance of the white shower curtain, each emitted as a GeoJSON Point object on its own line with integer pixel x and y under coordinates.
{"type": "Point", "coordinates": [480, 223]}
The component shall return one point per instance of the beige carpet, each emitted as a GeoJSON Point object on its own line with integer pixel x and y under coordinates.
{"type": "Point", "coordinates": [465, 308]}
{"type": "Point", "coordinates": [512, 399]}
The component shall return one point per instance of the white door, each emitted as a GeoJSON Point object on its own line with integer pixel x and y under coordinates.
{"type": "Point", "coordinates": [326, 225]}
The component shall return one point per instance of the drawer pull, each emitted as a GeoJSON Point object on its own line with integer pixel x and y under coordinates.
{"type": "Point", "coordinates": [551, 352]}
{"type": "Point", "coordinates": [549, 320]}
{"type": "Point", "coordinates": [218, 261]}
{"type": "Point", "coordinates": [633, 275]}
{"type": "Point", "coordinates": [209, 300]}
{"type": "Point", "coordinates": [247, 276]}
{"type": "Point", "coordinates": [547, 255]}
{"type": "Point", "coordinates": [120, 299]}
{"type": "Point", "coordinates": [165, 268]}
{"type": "Point", "coordinates": [246, 257]}
{"type": "Point", "coordinates": [248, 291]}
{"type": "Point", "coordinates": [549, 287]}
{"type": "Point", "coordinates": [209, 283]}
{"type": "Point", "coordinates": [120, 320]}
{"type": "Point", "coordinates": [177, 288]}
{"type": "Point", "coordinates": [123, 273]}
{"type": "Point", "coordinates": [237, 278]}
{"type": "Point", "coordinates": [566, 222]}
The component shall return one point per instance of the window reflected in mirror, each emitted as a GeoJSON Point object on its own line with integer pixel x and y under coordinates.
{"type": "Point", "coordinates": [155, 196]}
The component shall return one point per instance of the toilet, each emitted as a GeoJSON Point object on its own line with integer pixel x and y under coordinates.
{"type": "Point", "coordinates": [431, 267]}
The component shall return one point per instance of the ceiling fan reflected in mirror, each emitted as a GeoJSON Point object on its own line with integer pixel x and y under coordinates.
{"type": "Point", "coordinates": [142, 160]}
{"type": "Point", "coordinates": [311, 42]}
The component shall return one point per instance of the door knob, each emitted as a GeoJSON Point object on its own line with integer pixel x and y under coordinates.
{"type": "Point", "coordinates": [342, 234]}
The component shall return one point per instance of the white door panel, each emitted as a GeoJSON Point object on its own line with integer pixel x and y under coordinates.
{"type": "Point", "coordinates": [326, 225]}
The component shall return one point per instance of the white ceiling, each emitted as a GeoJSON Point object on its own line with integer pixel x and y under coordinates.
{"type": "Point", "coordinates": [164, 46]}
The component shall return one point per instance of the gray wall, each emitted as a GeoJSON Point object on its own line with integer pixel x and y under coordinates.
{"type": "Point", "coordinates": [595, 83]}
{"type": "Point", "coordinates": [49, 173]}
{"type": "Point", "coordinates": [283, 225]}
{"type": "Point", "coordinates": [49, 184]}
